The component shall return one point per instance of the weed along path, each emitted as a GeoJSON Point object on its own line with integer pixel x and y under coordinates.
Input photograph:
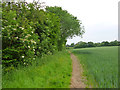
{"type": "Point", "coordinates": [77, 80]}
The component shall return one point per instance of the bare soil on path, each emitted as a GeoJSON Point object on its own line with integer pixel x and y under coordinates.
{"type": "Point", "coordinates": [77, 80]}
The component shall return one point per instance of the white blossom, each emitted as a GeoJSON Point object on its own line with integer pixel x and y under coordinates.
{"type": "Point", "coordinates": [22, 56]}
{"type": "Point", "coordinates": [2, 28]}
{"type": "Point", "coordinates": [16, 37]}
{"type": "Point", "coordinates": [28, 46]}
{"type": "Point", "coordinates": [21, 28]}
{"type": "Point", "coordinates": [33, 49]}
{"type": "Point", "coordinates": [14, 29]}
{"type": "Point", "coordinates": [14, 19]}
{"type": "Point", "coordinates": [33, 58]}
{"type": "Point", "coordinates": [32, 31]}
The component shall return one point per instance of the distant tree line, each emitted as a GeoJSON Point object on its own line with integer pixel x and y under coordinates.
{"type": "Point", "coordinates": [82, 44]}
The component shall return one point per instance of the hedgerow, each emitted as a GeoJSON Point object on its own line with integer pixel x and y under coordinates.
{"type": "Point", "coordinates": [27, 32]}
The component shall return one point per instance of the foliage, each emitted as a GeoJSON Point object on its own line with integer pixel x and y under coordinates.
{"type": "Point", "coordinates": [18, 38]}
{"type": "Point", "coordinates": [100, 65]}
{"type": "Point", "coordinates": [27, 32]}
{"type": "Point", "coordinates": [70, 25]}
{"type": "Point", "coordinates": [54, 71]}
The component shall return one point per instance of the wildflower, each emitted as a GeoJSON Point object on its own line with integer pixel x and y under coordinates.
{"type": "Point", "coordinates": [35, 42]}
{"type": "Point", "coordinates": [16, 37]}
{"type": "Point", "coordinates": [32, 31]}
{"type": "Point", "coordinates": [33, 58]}
{"type": "Point", "coordinates": [24, 63]}
{"type": "Point", "coordinates": [22, 56]}
{"type": "Point", "coordinates": [33, 49]}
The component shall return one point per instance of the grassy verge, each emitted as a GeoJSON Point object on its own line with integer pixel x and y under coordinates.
{"type": "Point", "coordinates": [0, 76]}
{"type": "Point", "coordinates": [53, 71]}
{"type": "Point", "coordinates": [100, 65]}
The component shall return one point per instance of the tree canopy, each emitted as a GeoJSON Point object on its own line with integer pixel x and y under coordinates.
{"type": "Point", "coordinates": [70, 25]}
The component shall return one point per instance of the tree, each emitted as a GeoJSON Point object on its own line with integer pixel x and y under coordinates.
{"type": "Point", "coordinates": [81, 45]}
{"type": "Point", "coordinates": [105, 43]}
{"type": "Point", "coordinates": [72, 44]}
{"type": "Point", "coordinates": [70, 25]}
{"type": "Point", "coordinates": [90, 44]}
{"type": "Point", "coordinates": [114, 43]}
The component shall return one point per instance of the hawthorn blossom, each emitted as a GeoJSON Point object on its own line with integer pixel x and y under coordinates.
{"type": "Point", "coordinates": [14, 19]}
{"type": "Point", "coordinates": [3, 28]}
{"type": "Point", "coordinates": [21, 28]}
{"type": "Point", "coordinates": [22, 56]}
{"type": "Point", "coordinates": [28, 46]}
{"type": "Point", "coordinates": [14, 29]}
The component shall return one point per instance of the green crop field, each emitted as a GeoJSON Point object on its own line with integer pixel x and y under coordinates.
{"type": "Point", "coordinates": [100, 65]}
{"type": "Point", "coordinates": [53, 71]}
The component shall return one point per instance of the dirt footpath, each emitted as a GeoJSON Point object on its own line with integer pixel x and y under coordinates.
{"type": "Point", "coordinates": [77, 80]}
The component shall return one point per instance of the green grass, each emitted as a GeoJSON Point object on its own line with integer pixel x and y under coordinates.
{"type": "Point", "coordinates": [53, 71]}
{"type": "Point", "coordinates": [0, 70]}
{"type": "Point", "coordinates": [0, 77]}
{"type": "Point", "coordinates": [100, 65]}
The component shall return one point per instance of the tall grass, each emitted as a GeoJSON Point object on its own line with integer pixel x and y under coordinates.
{"type": "Point", "coordinates": [53, 71]}
{"type": "Point", "coordinates": [100, 65]}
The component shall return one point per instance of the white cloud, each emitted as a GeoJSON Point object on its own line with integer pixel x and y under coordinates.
{"type": "Point", "coordinates": [100, 17]}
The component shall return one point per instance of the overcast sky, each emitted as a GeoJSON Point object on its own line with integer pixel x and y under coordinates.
{"type": "Point", "coordinates": [99, 17]}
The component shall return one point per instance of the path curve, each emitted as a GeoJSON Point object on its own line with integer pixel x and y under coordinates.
{"type": "Point", "coordinates": [77, 78]}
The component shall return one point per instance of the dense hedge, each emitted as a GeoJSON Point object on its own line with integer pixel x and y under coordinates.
{"type": "Point", "coordinates": [27, 32]}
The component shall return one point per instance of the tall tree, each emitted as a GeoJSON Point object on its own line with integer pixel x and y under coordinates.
{"type": "Point", "coordinates": [70, 25]}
